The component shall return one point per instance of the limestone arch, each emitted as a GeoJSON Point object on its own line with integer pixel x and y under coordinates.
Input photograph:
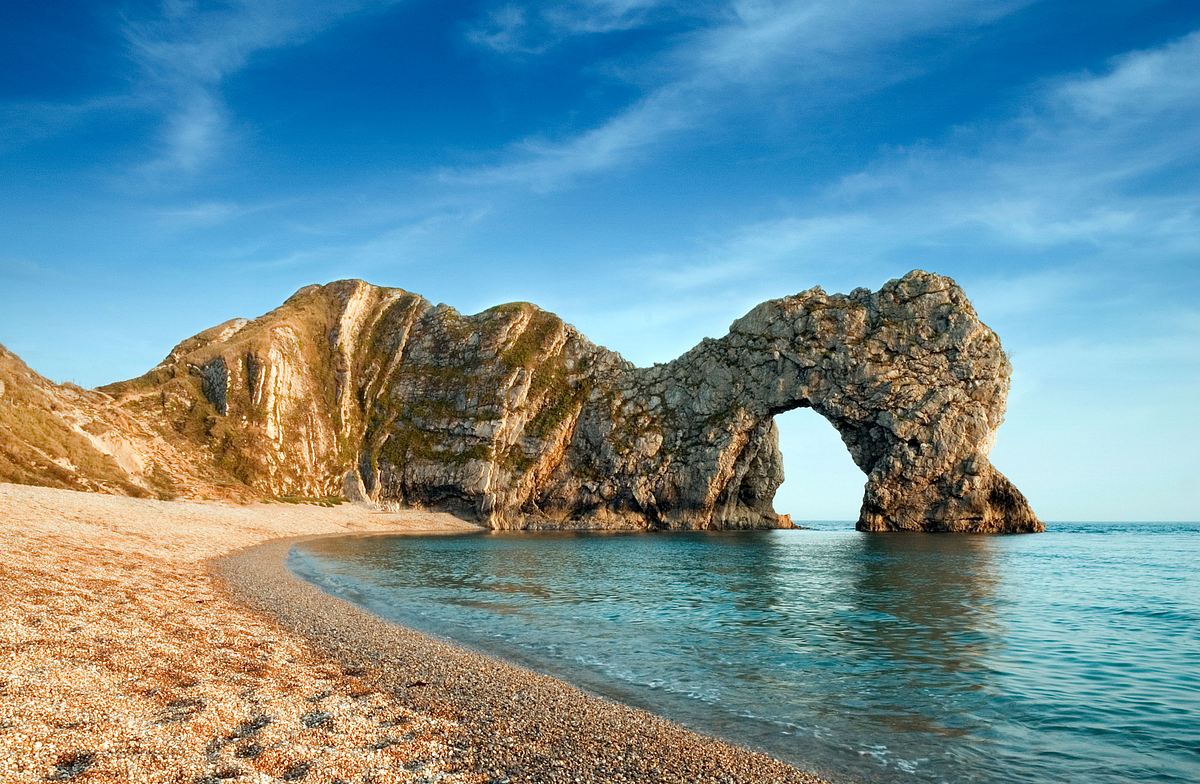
{"type": "Point", "coordinates": [820, 479]}
{"type": "Point", "coordinates": [911, 379]}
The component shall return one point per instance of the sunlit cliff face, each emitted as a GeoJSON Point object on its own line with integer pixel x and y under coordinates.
{"type": "Point", "coordinates": [511, 417]}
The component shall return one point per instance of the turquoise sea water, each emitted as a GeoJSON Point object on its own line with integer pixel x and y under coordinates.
{"type": "Point", "coordinates": [1067, 656]}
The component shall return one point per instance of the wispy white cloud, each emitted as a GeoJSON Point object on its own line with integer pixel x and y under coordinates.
{"type": "Point", "coordinates": [182, 53]}
{"type": "Point", "coordinates": [1078, 166]}
{"type": "Point", "coordinates": [506, 29]}
{"type": "Point", "coordinates": [194, 134]}
{"type": "Point", "coordinates": [1064, 178]}
{"type": "Point", "coordinates": [187, 215]}
{"type": "Point", "coordinates": [427, 237]}
{"type": "Point", "coordinates": [200, 213]}
{"type": "Point", "coordinates": [534, 28]}
{"type": "Point", "coordinates": [1027, 221]}
{"type": "Point", "coordinates": [1140, 83]}
{"type": "Point", "coordinates": [25, 122]}
{"type": "Point", "coordinates": [799, 51]}
{"type": "Point", "coordinates": [543, 165]}
{"type": "Point", "coordinates": [187, 50]}
{"type": "Point", "coordinates": [748, 251]}
{"type": "Point", "coordinates": [605, 16]}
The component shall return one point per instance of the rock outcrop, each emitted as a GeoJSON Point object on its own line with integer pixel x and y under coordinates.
{"type": "Point", "coordinates": [60, 435]}
{"type": "Point", "coordinates": [513, 418]}
{"type": "Point", "coordinates": [911, 379]}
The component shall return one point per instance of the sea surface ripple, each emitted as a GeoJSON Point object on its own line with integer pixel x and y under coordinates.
{"type": "Point", "coordinates": [1067, 656]}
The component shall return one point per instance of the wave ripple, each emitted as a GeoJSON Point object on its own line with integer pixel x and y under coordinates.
{"type": "Point", "coordinates": [1068, 656]}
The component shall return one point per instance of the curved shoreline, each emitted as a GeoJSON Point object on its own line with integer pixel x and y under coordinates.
{"type": "Point", "coordinates": [516, 725]}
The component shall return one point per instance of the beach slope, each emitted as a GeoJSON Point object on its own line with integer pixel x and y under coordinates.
{"type": "Point", "coordinates": [167, 642]}
{"type": "Point", "coordinates": [120, 660]}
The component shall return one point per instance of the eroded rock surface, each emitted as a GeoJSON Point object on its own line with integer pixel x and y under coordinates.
{"type": "Point", "coordinates": [911, 379]}
{"type": "Point", "coordinates": [513, 418]}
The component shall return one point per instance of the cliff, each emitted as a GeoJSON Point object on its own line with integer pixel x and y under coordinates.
{"type": "Point", "coordinates": [59, 435]}
{"type": "Point", "coordinates": [513, 418]}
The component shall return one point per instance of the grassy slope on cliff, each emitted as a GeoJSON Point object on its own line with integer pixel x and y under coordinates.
{"type": "Point", "coordinates": [40, 440]}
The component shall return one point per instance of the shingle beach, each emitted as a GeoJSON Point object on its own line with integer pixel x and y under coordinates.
{"type": "Point", "coordinates": [166, 641]}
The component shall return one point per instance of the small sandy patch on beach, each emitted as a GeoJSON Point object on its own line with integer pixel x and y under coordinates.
{"type": "Point", "coordinates": [121, 661]}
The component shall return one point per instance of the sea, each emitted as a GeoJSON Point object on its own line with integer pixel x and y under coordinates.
{"type": "Point", "coordinates": [1068, 656]}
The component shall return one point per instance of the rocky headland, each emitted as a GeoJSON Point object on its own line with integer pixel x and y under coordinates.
{"type": "Point", "coordinates": [512, 418]}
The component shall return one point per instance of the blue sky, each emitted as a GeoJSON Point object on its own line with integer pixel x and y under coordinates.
{"type": "Point", "coordinates": [647, 169]}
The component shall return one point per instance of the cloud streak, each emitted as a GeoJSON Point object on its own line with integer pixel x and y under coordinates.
{"type": "Point", "coordinates": [186, 51]}
{"type": "Point", "coordinates": [424, 238]}
{"type": "Point", "coordinates": [814, 53]}
{"type": "Point", "coordinates": [1074, 169]}
{"type": "Point", "coordinates": [532, 29]}
{"type": "Point", "coordinates": [1064, 182]}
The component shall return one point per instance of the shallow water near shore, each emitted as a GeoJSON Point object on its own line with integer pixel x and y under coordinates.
{"type": "Point", "coordinates": [1067, 656]}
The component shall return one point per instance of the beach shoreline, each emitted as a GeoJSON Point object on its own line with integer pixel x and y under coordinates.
{"type": "Point", "coordinates": [519, 725]}
{"type": "Point", "coordinates": [121, 660]}
{"type": "Point", "coordinates": [168, 641]}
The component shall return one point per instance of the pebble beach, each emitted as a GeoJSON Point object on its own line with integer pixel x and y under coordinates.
{"type": "Point", "coordinates": [122, 661]}
{"type": "Point", "coordinates": [166, 641]}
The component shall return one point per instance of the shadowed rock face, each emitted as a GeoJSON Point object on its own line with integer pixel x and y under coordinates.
{"type": "Point", "coordinates": [513, 418]}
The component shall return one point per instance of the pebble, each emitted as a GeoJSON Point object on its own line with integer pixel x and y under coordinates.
{"type": "Point", "coordinates": [497, 706]}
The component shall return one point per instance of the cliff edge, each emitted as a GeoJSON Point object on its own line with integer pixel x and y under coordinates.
{"type": "Point", "coordinates": [511, 417]}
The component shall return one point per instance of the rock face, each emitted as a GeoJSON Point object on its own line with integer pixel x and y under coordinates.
{"type": "Point", "coordinates": [64, 436]}
{"type": "Point", "coordinates": [513, 418]}
{"type": "Point", "coordinates": [911, 379]}
{"type": "Point", "coordinates": [909, 376]}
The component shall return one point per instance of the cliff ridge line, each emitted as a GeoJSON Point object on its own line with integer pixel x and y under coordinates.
{"type": "Point", "coordinates": [512, 418]}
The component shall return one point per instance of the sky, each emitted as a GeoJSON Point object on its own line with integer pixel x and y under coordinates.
{"type": "Point", "coordinates": [647, 169]}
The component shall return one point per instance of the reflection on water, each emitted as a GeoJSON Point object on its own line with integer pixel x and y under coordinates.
{"type": "Point", "coordinates": [1065, 656]}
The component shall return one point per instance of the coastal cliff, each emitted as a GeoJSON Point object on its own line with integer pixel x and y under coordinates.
{"type": "Point", "coordinates": [511, 417]}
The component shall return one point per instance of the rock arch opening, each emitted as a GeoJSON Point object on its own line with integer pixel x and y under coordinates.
{"type": "Point", "coordinates": [820, 480]}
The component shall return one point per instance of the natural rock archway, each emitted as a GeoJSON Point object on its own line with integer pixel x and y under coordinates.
{"type": "Point", "coordinates": [511, 417]}
{"type": "Point", "coordinates": [911, 379]}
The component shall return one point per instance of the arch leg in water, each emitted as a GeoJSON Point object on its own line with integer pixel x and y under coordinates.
{"type": "Point", "coordinates": [910, 377]}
